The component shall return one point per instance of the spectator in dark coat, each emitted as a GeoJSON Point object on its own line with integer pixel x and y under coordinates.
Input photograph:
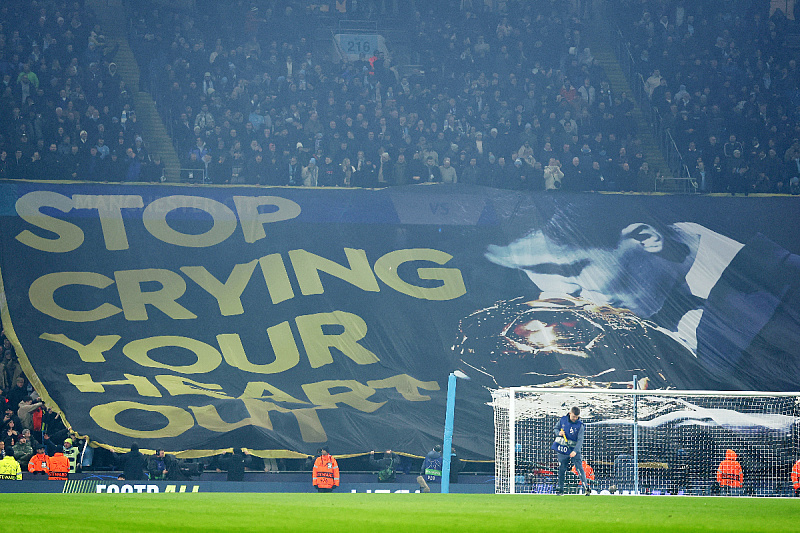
{"type": "Point", "coordinates": [235, 464]}
{"type": "Point", "coordinates": [134, 464]}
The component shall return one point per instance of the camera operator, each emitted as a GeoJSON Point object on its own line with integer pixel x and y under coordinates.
{"type": "Point", "coordinates": [163, 466]}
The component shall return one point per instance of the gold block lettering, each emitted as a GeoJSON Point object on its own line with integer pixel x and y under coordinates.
{"type": "Point", "coordinates": [452, 286]}
{"type": "Point", "coordinates": [84, 383]}
{"type": "Point", "coordinates": [311, 429]}
{"type": "Point", "coordinates": [178, 420]}
{"type": "Point", "coordinates": [155, 220]}
{"type": "Point", "coordinates": [407, 386]}
{"type": "Point", "coordinates": [29, 206]}
{"type": "Point", "coordinates": [256, 389]}
{"type": "Point", "coordinates": [109, 209]}
{"type": "Point", "coordinates": [228, 294]}
{"type": "Point", "coordinates": [177, 386]}
{"type": "Point", "coordinates": [89, 353]}
{"type": "Point", "coordinates": [276, 278]}
{"type": "Point", "coordinates": [42, 296]}
{"type": "Point", "coordinates": [283, 346]}
{"type": "Point", "coordinates": [208, 358]}
{"type": "Point", "coordinates": [320, 394]}
{"type": "Point", "coordinates": [307, 267]}
{"type": "Point", "coordinates": [134, 300]}
{"type": "Point", "coordinates": [253, 221]}
{"type": "Point", "coordinates": [208, 417]}
{"type": "Point", "coordinates": [318, 344]}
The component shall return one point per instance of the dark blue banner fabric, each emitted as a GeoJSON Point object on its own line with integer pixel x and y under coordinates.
{"type": "Point", "coordinates": [280, 319]}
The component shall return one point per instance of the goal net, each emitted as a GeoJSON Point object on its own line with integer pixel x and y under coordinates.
{"type": "Point", "coordinates": [649, 442]}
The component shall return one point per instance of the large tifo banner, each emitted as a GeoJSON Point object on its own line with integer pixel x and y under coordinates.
{"type": "Point", "coordinates": [283, 319]}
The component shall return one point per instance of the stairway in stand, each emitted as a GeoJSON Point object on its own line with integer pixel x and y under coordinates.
{"type": "Point", "coordinates": [603, 52]}
{"type": "Point", "coordinates": [112, 19]}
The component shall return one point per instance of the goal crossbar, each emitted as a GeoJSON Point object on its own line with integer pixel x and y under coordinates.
{"type": "Point", "coordinates": [667, 392]}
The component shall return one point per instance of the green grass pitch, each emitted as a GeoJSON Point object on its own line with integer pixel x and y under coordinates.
{"type": "Point", "coordinates": [464, 513]}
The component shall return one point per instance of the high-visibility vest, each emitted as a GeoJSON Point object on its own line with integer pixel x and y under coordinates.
{"type": "Point", "coordinates": [587, 469]}
{"type": "Point", "coordinates": [38, 463]}
{"type": "Point", "coordinates": [729, 473]}
{"type": "Point", "coordinates": [58, 467]}
{"type": "Point", "coordinates": [796, 475]}
{"type": "Point", "coordinates": [326, 472]}
{"type": "Point", "coordinates": [9, 468]}
{"type": "Point", "coordinates": [72, 456]}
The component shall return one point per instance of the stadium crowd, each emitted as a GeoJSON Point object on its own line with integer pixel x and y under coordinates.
{"type": "Point", "coordinates": [724, 80]}
{"type": "Point", "coordinates": [504, 94]}
{"type": "Point", "coordinates": [508, 97]}
{"type": "Point", "coordinates": [65, 112]}
{"type": "Point", "coordinates": [30, 431]}
{"type": "Point", "coordinates": [512, 101]}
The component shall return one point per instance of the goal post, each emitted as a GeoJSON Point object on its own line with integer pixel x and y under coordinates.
{"type": "Point", "coordinates": [649, 441]}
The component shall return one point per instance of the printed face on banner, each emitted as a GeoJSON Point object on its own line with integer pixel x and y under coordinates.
{"type": "Point", "coordinates": [685, 284]}
{"type": "Point", "coordinates": [628, 275]}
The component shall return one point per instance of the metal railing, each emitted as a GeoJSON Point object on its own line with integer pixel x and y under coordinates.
{"type": "Point", "coordinates": [681, 176]}
{"type": "Point", "coordinates": [673, 184]}
{"type": "Point", "coordinates": [357, 26]}
{"type": "Point", "coordinates": [336, 45]}
{"type": "Point", "coordinates": [193, 175]}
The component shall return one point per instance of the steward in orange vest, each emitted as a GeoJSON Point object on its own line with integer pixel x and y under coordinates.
{"type": "Point", "coordinates": [729, 473]}
{"type": "Point", "coordinates": [587, 469]}
{"type": "Point", "coordinates": [796, 478]}
{"type": "Point", "coordinates": [58, 467]}
{"type": "Point", "coordinates": [325, 475]}
{"type": "Point", "coordinates": [38, 463]}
